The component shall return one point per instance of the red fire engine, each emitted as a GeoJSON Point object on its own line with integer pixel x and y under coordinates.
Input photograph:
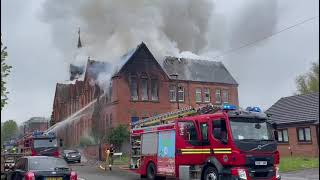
{"type": "Point", "coordinates": [210, 143]}
{"type": "Point", "coordinates": [38, 143]}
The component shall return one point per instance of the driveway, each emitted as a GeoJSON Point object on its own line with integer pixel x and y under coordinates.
{"type": "Point", "coordinates": [309, 174]}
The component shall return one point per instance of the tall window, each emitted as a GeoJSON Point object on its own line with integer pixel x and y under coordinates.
{"type": "Point", "coordinates": [207, 97]}
{"type": "Point", "coordinates": [283, 136]}
{"type": "Point", "coordinates": [154, 90]}
{"type": "Point", "coordinates": [225, 96]}
{"type": "Point", "coordinates": [134, 87]}
{"type": "Point", "coordinates": [172, 93]}
{"type": "Point", "coordinates": [198, 95]}
{"type": "Point", "coordinates": [304, 134]}
{"type": "Point", "coordinates": [218, 96]}
{"type": "Point", "coordinates": [144, 87]}
{"type": "Point", "coordinates": [181, 94]}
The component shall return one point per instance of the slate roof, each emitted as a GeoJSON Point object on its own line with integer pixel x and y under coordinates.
{"type": "Point", "coordinates": [294, 109]}
{"type": "Point", "coordinates": [187, 69]}
{"type": "Point", "coordinates": [198, 70]}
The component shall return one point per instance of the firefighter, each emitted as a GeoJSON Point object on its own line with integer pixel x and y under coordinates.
{"type": "Point", "coordinates": [111, 149]}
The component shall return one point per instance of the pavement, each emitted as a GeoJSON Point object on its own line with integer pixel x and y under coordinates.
{"type": "Point", "coordinates": [308, 174]}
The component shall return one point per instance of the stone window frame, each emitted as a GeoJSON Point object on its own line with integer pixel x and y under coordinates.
{"type": "Point", "coordinates": [154, 78]}
{"type": "Point", "coordinates": [135, 77]}
{"type": "Point", "coordinates": [174, 91]}
{"type": "Point", "coordinates": [304, 134]}
{"type": "Point", "coordinates": [216, 95]}
{"type": "Point", "coordinates": [228, 96]}
{"type": "Point", "coordinates": [205, 93]}
{"type": "Point", "coordinates": [182, 91]}
{"type": "Point", "coordinates": [282, 135]}
{"type": "Point", "coordinates": [144, 76]}
{"type": "Point", "coordinates": [197, 93]}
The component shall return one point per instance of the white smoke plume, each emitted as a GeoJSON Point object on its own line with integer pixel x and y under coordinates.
{"type": "Point", "coordinates": [109, 28]}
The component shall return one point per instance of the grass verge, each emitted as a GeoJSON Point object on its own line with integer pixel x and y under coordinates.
{"type": "Point", "coordinates": [298, 163]}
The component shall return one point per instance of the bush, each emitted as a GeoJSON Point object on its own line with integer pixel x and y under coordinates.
{"type": "Point", "coordinates": [85, 141]}
{"type": "Point", "coordinates": [118, 135]}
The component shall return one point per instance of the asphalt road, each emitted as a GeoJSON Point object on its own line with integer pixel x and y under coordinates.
{"type": "Point", "coordinates": [93, 172]}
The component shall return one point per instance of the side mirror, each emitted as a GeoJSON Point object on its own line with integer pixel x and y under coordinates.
{"type": "Point", "coordinates": [61, 142]}
{"type": "Point", "coordinates": [217, 133]}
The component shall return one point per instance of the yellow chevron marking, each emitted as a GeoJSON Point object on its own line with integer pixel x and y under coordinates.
{"type": "Point", "coordinates": [195, 149]}
{"type": "Point", "coordinates": [222, 152]}
{"type": "Point", "coordinates": [229, 149]}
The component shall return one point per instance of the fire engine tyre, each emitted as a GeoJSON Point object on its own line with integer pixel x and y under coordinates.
{"type": "Point", "coordinates": [151, 171]}
{"type": "Point", "coordinates": [210, 173]}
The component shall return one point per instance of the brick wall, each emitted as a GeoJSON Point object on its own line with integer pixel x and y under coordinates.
{"type": "Point", "coordinates": [299, 148]}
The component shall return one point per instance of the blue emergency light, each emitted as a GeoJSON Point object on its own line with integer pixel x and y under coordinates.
{"type": "Point", "coordinates": [229, 107]}
{"type": "Point", "coordinates": [253, 109]}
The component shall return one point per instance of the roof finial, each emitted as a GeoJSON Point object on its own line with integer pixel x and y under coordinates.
{"type": "Point", "coordinates": [79, 40]}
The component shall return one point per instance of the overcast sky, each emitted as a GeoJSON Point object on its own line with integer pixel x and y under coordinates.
{"type": "Point", "coordinates": [265, 71]}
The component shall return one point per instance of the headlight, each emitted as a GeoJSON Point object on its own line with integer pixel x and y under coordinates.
{"type": "Point", "coordinates": [242, 174]}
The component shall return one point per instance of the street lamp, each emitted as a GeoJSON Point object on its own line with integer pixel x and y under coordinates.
{"type": "Point", "coordinates": [177, 91]}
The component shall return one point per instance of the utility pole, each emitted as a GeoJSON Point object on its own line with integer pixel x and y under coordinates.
{"type": "Point", "coordinates": [177, 88]}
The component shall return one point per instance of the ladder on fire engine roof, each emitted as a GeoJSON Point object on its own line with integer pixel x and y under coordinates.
{"type": "Point", "coordinates": [169, 116]}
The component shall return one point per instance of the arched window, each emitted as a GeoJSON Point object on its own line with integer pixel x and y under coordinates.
{"type": "Point", "coordinates": [133, 87]}
{"type": "Point", "coordinates": [144, 87]}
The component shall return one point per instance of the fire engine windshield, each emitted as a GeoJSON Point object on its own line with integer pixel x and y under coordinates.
{"type": "Point", "coordinates": [39, 143]}
{"type": "Point", "coordinates": [250, 129]}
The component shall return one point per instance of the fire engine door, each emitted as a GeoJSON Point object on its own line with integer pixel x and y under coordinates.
{"type": "Point", "coordinates": [220, 140]}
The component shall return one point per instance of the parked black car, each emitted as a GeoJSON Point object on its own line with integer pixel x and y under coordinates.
{"type": "Point", "coordinates": [41, 168]}
{"type": "Point", "coordinates": [71, 155]}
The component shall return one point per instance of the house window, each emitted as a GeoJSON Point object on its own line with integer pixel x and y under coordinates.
{"type": "Point", "coordinates": [218, 96]}
{"type": "Point", "coordinates": [207, 97]}
{"type": "Point", "coordinates": [181, 94]}
{"type": "Point", "coordinates": [154, 90]}
{"type": "Point", "coordinates": [283, 136]}
{"type": "Point", "coordinates": [198, 95]}
{"type": "Point", "coordinates": [172, 93]}
{"type": "Point", "coordinates": [134, 88]}
{"type": "Point", "coordinates": [304, 134]}
{"type": "Point", "coordinates": [225, 96]}
{"type": "Point", "coordinates": [144, 89]}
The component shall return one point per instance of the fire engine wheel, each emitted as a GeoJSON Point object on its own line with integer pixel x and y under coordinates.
{"type": "Point", "coordinates": [151, 171]}
{"type": "Point", "coordinates": [211, 173]}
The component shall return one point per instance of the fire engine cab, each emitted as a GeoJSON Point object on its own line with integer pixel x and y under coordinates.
{"type": "Point", "coordinates": [213, 142]}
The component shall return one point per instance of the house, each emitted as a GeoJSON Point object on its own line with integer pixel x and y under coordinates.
{"type": "Point", "coordinates": [139, 87]}
{"type": "Point", "coordinates": [35, 123]}
{"type": "Point", "coordinates": [297, 119]}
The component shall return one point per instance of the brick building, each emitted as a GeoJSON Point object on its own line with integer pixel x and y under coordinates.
{"type": "Point", "coordinates": [142, 87]}
{"type": "Point", "coordinates": [297, 119]}
{"type": "Point", "coordinates": [35, 123]}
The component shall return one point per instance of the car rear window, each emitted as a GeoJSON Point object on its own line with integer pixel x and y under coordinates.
{"type": "Point", "coordinates": [46, 163]}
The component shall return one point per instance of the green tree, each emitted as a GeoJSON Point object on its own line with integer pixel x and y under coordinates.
{"type": "Point", "coordinates": [118, 135]}
{"type": "Point", "coordinates": [309, 82]}
{"type": "Point", "coordinates": [5, 70]}
{"type": "Point", "coordinates": [9, 130]}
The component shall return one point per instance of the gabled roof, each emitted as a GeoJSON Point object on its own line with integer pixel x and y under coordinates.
{"type": "Point", "coordinates": [123, 61]}
{"type": "Point", "coordinates": [296, 109]}
{"type": "Point", "coordinates": [198, 70]}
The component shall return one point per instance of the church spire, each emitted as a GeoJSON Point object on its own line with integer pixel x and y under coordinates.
{"type": "Point", "coordinates": [79, 40]}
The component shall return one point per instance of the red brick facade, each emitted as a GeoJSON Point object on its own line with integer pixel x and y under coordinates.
{"type": "Point", "coordinates": [297, 148]}
{"type": "Point", "coordinates": [118, 107]}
